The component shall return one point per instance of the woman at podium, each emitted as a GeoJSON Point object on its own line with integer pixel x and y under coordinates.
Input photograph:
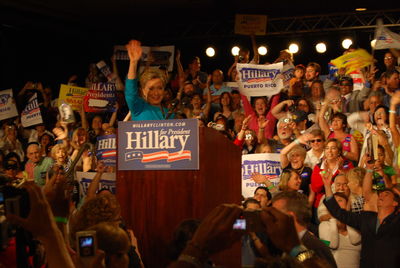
{"type": "Point", "coordinates": [146, 104]}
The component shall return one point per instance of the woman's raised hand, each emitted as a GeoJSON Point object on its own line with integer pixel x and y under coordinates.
{"type": "Point", "coordinates": [134, 50]}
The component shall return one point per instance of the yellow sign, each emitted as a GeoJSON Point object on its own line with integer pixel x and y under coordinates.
{"type": "Point", "coordinates": [72, 95]}
{"type": "Point", "coordinates": [353, 61]}
{"type": "Point", "coordinates": [250, 24]}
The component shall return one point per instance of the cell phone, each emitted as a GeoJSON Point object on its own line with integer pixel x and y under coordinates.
{"type": "Point", "coordinates": [249, 221]}
{"type": "Point", "coordinates": [240, 224]}
{"type": "Point", "coordinates": [86, 244]}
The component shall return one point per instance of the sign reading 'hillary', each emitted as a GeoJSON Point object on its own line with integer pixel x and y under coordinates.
{"type": "Point", "coordinates": [158, 145]}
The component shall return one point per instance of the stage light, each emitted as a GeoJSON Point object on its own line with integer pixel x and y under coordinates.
{"type": "Point", "coordinates": [262, 50]}
{"type": "Point", "coordinates": [361, 9]}
{"type": "Point", "coordinates": [294, 48]}
{"type": "Point", "coordinates": [373, 42]}
{"type": "Point", "coordinates": [235, 51]}
{"type": "Point", "coordinates": [346, 43]}
{"type": "Point", "coordinates": [210, 51]}
{"type": "Point", "coordinates": [320, 47]}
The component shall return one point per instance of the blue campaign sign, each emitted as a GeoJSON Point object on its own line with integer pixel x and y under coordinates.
{"type": "Point", "coordinates": [158, 145]}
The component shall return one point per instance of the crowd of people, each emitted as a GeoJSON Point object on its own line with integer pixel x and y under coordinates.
{"type": "Point", "coordinates": [336, 203]}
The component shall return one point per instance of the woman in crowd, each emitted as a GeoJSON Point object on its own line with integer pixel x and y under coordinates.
{"type": "Point", "coordinates": [343, 240]}
{"type": "Point", "coordinates": [289, 180]}
{"type": "Point", "coordinates": [259, 108]}
{"type": "Point", "coordinates": [293, 156]}
{"type": "Point", "coordinates": [332, 163]}
{"type": "Point", "coordinates": [148, 103]}
{"type": "Point", "coordinates": [46, 142]}
{"type": "Point", "coordinates": [338, 125]}
{"type": "Point", "coordinates": [225, 103]}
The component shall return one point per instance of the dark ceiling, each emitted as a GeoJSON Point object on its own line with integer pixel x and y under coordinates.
{"type": "Point", "coordinates": [54, 38]}
{"type": "Point", "coordinates": [136, 16]}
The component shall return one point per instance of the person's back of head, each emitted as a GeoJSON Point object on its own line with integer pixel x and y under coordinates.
{"type": "Point", "coordinates": [102, 208]}
{"type": "Point", "coordinates": [114, 241]}
{"type": "Point", "coordinates": [296, 203]}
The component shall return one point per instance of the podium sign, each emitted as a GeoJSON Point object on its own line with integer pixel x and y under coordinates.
{"type": "Point", "coordinates": [158, 145]}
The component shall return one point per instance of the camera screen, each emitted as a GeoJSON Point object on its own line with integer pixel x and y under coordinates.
{"type": "Point", "coordinates": [240, 224]}
{"type": "Point", "coordinates": [86, 246]}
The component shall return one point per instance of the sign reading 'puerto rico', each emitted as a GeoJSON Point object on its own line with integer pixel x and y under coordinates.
{"type": "Point", "coordinates": [260, 80]}
{"type": "Point", "coordinates": [158, 145]}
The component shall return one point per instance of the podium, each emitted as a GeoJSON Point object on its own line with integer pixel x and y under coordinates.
{"type": "Point", "coordinates": [154, 202]}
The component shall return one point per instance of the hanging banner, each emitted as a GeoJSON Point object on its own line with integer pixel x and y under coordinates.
{"type": "Point", "coordinates": [107, 181]}
{"type": "Point", "coordinates": [385, 38]}
{"type": "Point", "coordinates": [31, 115]}
{"type": "Point", "coordinates": [265, 164]}
{"type": "Point", "coordinates": [158, 145]}
{"type": "Point", "coordinates": [72, 95]}
{"type": "Point", "coordinates": [106, 149]}
{"type": "Point", "coordinates": [250, 24]}
{"type": "Point", "coordinates": [8, 109]}
{"type": "Point", "coordinates": [260, 80]}
{"type": "Point", "coordinates": [100, 98]}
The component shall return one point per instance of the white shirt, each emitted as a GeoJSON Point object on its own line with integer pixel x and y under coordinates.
{"type": "Point", "coordinates": [311, 159]}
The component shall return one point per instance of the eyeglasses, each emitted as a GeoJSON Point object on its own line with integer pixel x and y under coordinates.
{"type": "Point", "coordinates": [388, 58]}
{"type": "Point", "coordinates": [316, 140]}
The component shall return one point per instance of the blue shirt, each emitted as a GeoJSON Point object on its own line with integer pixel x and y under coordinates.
{"type": "Point", "coordinates": [215, 92]}
{"type": "Point", "coordinates": [139, 108]}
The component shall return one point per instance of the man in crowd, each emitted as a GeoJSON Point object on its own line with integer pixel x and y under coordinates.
{"type": "Point", "coordinates": [37, 166]}
{"type": "Point", "coordinates": [296, 204]}
{"type": "Point", "coordinates": [380, 231]}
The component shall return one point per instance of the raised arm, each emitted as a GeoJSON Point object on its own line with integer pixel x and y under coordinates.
{"type": "Point", "coordinates": [207, 107]}
{"type": "Point", "coordinates": [323, 124]}
{"type": "Point", "coordinates": [94, 185]}
{"type": "Point", "coordinates": [278, 112]}
{"type": "Point", "coordinates": [118, 82]}
{"type": "Point", "coordinates": [40, 215]}
{"type": "Point", "coordinates": [134, 52]}
{"type": "Point", "coordinates": [133, 100]}
{"type": "Point", "coordinates": [303, 139]}
{"type": "Point", "coordinates": [395, 100]}
{"type": "Point", "coordinates": [349, 218]}
{"type": "Point", "coordinates": [256, 58]}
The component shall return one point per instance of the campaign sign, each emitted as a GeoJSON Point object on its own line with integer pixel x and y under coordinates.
{"type": "Point", "coordinates": [106, 149]}
{"type": "Point", "coordinates": [72, 95]}
{"type": "Point", "coordinates": [31, 115]}
{"type": "Point", "coordinates": [107, 181]}
{"type": "Point", "coordinates": [8, 108]}
{"type": "Point", "coordinates": [265, 164]}
{"type": "Point", "coordinates": [100, 98]}
{"type": "Point", "coordinates": [158, 145]}
{"type": "Point", "coordinates": [260, 80]}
